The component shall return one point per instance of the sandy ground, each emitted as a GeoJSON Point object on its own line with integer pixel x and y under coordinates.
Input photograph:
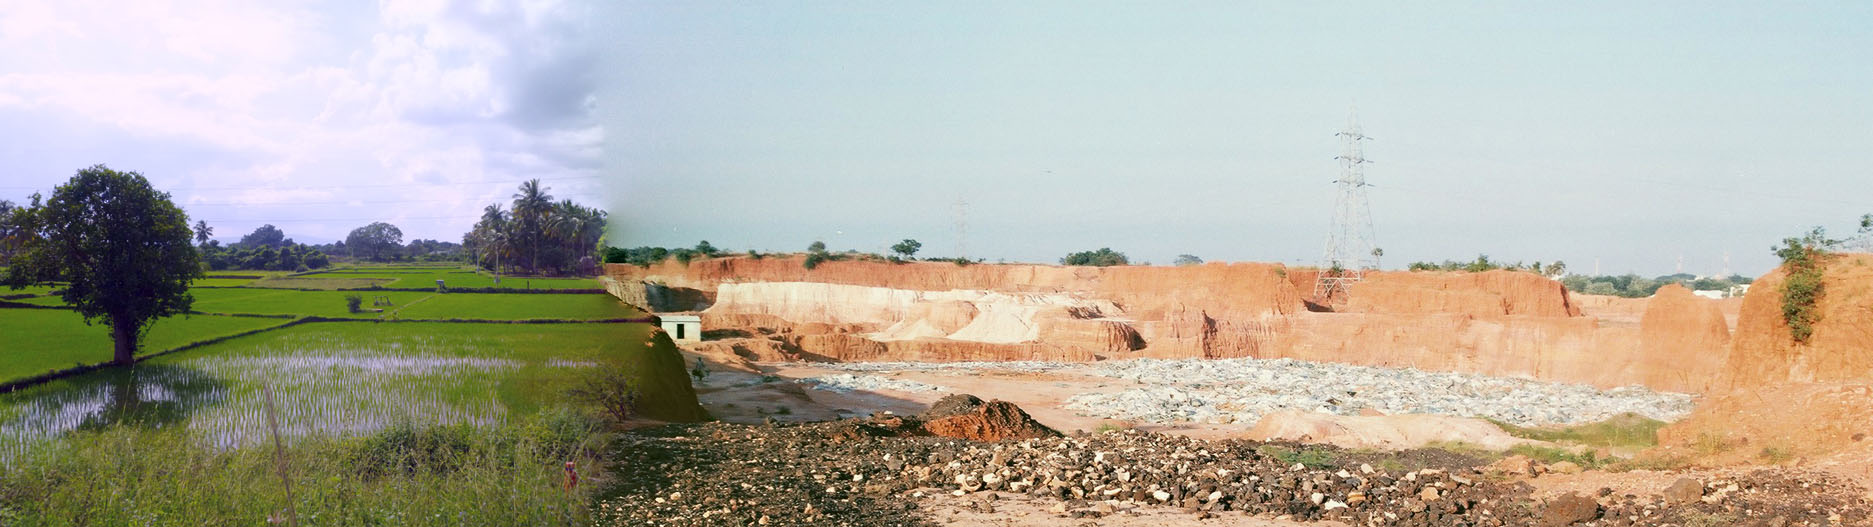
{"type": "Point", "coordinates": [1014, 510]}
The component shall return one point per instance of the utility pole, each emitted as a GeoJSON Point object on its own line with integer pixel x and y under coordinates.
{"type": "Point", "coordinates": [1351, 250]}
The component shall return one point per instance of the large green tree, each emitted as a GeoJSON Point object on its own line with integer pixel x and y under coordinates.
{"type": "Point", "coordinates": [374, 241]}
{"type": "Point", "coordinates": [120, 247]}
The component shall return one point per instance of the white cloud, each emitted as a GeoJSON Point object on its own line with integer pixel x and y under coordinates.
{"type": "Point", "coordinates": [314, 104]}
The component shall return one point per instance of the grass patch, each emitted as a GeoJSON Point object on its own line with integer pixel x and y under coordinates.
{"type": "Point", "coordinates": [494, 306]}
{"type": "Point", "coordinates": [1710, 444]}
{"type": "Point", "coordinates": [425, 278]}
{"type": "Point", "coordinates": [1314, 458]}
{"type": "Point", "coordinates": [221, 282]}
{"type": "Point", "coordinates": [44, 340]}
{"type": "Point", "coordinates": [1623, 430]}
{"type": "Point", "coordinates": [1775, 455]}
{"type": "Point", "coordinates": [287, 302]}
{"type": "Point", "coordinates": [131, 475]}
{"type": "Point", "coordinates": [1551, 455]}
{"type": "Point", "coordinates": [321, 282]}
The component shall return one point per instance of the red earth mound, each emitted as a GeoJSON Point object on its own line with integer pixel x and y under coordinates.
{"type": "Point", "coordinates": [966, 417]}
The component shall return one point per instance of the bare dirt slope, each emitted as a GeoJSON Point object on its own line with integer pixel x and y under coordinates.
{"type": "Point", "coordinates": [1495, 323]}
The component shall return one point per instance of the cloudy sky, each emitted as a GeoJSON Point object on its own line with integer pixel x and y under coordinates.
{"type": "Point", "coordinates": [1629, 134]}
{"type": "Point", "coordinates": [316, 117]}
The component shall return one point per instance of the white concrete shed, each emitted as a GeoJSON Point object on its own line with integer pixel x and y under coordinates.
{"type": "Point", "coordinates": [682, 327]}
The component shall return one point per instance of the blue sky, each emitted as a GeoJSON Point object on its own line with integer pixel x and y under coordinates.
{"type": "Point", "coordinates": [318, 117]}
{"type": "Point", "coordinates": [1631, 135]}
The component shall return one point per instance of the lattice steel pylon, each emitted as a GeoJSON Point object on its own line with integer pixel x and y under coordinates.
{"type": "Point", "coordinates": [1351, 248]}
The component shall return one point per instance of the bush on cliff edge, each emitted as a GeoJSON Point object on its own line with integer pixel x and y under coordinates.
{"type": "Point", "coordinates": [1803, 257]}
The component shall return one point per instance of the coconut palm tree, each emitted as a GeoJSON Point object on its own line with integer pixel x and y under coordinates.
{"type": "Point", "coordinates": [203, 232]}
{"type": "Point", "coordinates": [532, 208]}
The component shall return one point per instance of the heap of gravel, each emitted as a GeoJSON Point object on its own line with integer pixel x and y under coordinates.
{"type": "Point", "coordinates": [863, 472]}
{"type": "Point", "coordinates": [1243, 390]}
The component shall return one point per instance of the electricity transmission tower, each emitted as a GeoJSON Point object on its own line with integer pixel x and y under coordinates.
{"type": "Point", "coordinates": [1351, 250]}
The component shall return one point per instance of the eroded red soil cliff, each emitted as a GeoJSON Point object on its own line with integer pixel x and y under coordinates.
{"type": "Point", "coordinates": [1496, 323]}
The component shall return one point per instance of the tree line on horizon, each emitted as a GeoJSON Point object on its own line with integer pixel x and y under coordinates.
{"type": "Point", "coordinates": [105, 232]}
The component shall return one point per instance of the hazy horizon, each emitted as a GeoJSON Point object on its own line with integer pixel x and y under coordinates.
{"type": "Point", "coordinates": [1628, 134]}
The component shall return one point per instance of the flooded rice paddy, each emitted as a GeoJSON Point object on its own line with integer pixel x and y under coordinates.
{"type": "Point", "coordinates": [326, 379]}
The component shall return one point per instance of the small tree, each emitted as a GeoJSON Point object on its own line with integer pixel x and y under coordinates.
{"type": "Point", "coordinates": [1186, 260]}
{"type": "Point", "coordinates": [907, 248]}
{"type": "Point", "coordinates": [1803, 259]}
{"type": "Point", "coordinates": [816, 247]}
{"type": "Point", "coordinates": [610, 387]}
{"type": "Point", "coordinates": [707, 250]}
{"type": "Point", "coordinates": [122, 249]}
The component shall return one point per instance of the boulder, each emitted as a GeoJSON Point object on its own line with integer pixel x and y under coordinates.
{"type": "Point", "coordinates": [1685, 490]}
{"type": "Point", "coordinates": [1569, 509]}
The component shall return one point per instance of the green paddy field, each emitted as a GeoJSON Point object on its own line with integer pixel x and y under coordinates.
{"type": "Point", "coordinates": [425, 408]}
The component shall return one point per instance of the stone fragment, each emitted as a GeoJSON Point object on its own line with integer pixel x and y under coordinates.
{"type": "Point", "coordinates": [1683, 491]}
{"type": "Point", "coordinates": [1569, 509]}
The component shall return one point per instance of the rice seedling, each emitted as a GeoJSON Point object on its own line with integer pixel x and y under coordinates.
{"type": "Point", "coordinates": [494, 306]}
{"type": "Point", "coordinates": [37, 341]}
{"type": "Point", "coordinates": [329, 378]}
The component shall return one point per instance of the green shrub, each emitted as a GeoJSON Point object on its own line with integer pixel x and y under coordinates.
{"type": "Point", "coordinates": [813, 260]}
{"type": "Point", "coordinates": [353, 303]}
{"type": "Point", "coordinates": [403, 449]}
{"type": "Point", "coordinates": [1804, 259]}
{"type": "Point", "coordinates": [1314, 458]}
{"type": "Point", "coordinates": [1103, 257]}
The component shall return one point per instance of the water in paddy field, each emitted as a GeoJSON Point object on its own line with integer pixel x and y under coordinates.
{"type": "Point", "coordinates": [315, 391]}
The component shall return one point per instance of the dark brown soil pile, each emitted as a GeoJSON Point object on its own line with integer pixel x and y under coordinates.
{"type": "Point", "coordinates": [967, 417]}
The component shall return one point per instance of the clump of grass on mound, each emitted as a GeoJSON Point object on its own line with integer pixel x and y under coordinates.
{"type": "Point", "coordinates": [1623, 430]}
{"type": "Point", "coordinates": [128, 475]}
{"type": "Point", "coordinates": [1314, 458]}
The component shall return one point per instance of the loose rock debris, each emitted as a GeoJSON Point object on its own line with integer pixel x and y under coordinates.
{"type": "Point", "coordinates": [871, 471]}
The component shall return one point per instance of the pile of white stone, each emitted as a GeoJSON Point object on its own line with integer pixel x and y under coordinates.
{"type": "Point", "coordinates": [847, 383]}
{"type": "Point", "coordinates": [1242, 390]}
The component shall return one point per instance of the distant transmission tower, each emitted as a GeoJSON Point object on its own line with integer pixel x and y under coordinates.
{"type": "Point", "coordinates": [1351, 250]}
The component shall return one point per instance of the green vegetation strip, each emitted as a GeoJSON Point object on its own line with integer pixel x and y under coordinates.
{"type": "Point", "coordinates": [482, 306]}
{"type": "Point", "coordinates": [43, 344]}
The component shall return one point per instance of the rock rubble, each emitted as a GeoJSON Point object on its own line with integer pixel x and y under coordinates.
{"type": "Point", "coordinates": [867, 472]}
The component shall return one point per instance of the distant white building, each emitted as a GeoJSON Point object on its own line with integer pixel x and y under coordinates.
{"type": "Point", "coordinates": [682, 327]}
{"type": "Point", "coordinates": [1709, 293]}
